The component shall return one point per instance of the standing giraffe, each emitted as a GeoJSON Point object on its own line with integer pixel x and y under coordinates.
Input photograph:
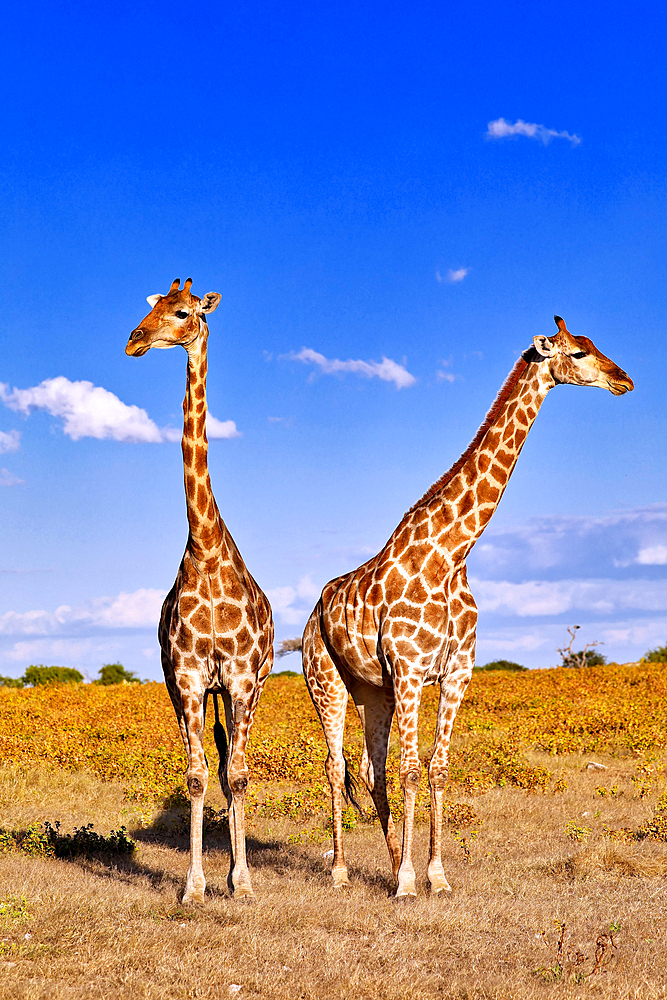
{"type": "Point", "coordinates": [407, 618]}
{"type": "Point", "coordinates": [216, 630]}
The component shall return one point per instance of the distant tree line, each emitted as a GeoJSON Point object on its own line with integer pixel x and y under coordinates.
{"type": "Point", "coordinates": [37, 675]}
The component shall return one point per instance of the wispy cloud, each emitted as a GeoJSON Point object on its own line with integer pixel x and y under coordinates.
{"type": "Point", "coordinates": [607, 573]}
{"type": "Point", "coordinates": [453, 276]}
{"type": "Point", "coordinates": [88, 410]}
{"type": "Point", "coordinates": [553, 546]}
{"type": "Point", "coordinates": [64, 651]}
{"type": "Point", "coordinates": [9, 441]}
{"type": "Point", "coordinates": [534, 598]}
{"type": "Point", "coordinates": [293, 604]}
{"type": "Point", "coordinates": [137, 610]}
{"type": "Point", "coordinates": [502, 129]}
{"type": "Point", "coordinates": [8, 478]}
{"type": "Point", "coordinates": [386, 370]}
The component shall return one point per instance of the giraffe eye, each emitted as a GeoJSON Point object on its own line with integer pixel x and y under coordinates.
{"type": "Point", "coordinates": [181, 314]}
{"type": "Point", "coordinates": [578, 354]}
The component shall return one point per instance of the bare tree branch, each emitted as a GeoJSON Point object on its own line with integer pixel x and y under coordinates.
{"type": "Point", "coordinates": [289, 646]}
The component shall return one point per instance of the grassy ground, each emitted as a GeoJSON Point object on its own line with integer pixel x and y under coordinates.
{"type": "Point", "coordinates": [113, 928]}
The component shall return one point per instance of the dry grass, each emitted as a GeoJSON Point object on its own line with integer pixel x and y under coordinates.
{"type": "Point", "coordinates": [115, 929]}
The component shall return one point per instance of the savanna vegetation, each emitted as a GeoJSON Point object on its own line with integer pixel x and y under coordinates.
{"type": "Point", "coordinates": [556, 816]}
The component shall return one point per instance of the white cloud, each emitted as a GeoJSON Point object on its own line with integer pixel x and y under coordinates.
{"type": "Point", "coordinates": [8, 478]}
{"type": "Point", "coordinates": [453, 276]}
{"type": "Point", "coordinates": [217, 429]}
{"type": "Point", "coordinates": [9, 441]}
{"type": "Point", "coordinates": [544, 597]}
{"type": "Point", "coordinates": [502, 129]}
{"type": "Point", "coordinates": [387, 370]}
{"type": "Point", "coordinates": [137, 610]}
{"type": "Point", "coordinates": [88, 410]}
{"type": "Point", "coordinates": [652, 555]}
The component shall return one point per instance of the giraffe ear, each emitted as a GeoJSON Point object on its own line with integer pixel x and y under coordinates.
{"type": "Point", "coordinates": [210, 302]}
{"type": "Point", "coordinates": [544, 346]}
{"type": "Point", "coordinates": [152, 299]}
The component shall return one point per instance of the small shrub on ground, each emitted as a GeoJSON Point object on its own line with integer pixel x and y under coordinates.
{"type": "Point", "coordinates": [47, 841]}
{"type": "Point", "coordinates": [576, 832]}
{"type": "Point", "coordinates": [14, 909]}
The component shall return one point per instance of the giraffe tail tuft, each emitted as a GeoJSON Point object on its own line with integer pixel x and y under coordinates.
{"type": "Point", "coordinates": [351, 786]}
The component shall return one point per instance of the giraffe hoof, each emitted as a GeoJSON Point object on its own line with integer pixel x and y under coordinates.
{"type": "Point", "coordinates": [405, 899]}
{"type": "Point", "coordinates": [193, 898]}
{"type": "Point", "coordinates": [245, 898]}
{"type": "Point", "coordinates": [441, 893]}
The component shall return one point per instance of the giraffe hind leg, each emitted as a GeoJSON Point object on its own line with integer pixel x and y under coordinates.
{"type": "Point", "coordinates": [240, 708]}
{"type": "Point", "coordinates": [452, 689]}
{"type": "Point", "coordinates": [376, 711]}
{"type": "Point", "coordinates": [329, 696]}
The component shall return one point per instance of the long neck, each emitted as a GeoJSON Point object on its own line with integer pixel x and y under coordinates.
{"type": "Point", "coordinates": [203, 516]}
{"type": "Point", "coordinates": [463, 501]}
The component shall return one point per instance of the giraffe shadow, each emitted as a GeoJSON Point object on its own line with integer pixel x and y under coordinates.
{"type": "Point", "coordinates": [170, 829]}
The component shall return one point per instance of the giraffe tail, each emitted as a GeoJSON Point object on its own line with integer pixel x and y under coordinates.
{"type": "Point", "coordinates": [220, 740]}
{"type": "Point", "coordinates": [351, 786]}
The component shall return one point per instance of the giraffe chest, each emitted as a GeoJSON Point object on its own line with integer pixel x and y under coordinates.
{"type": "Point", "coordinates": [214, 620]}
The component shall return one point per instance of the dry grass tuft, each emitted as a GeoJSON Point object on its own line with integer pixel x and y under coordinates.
{"type": "Point", "coordinates": [608, 857]}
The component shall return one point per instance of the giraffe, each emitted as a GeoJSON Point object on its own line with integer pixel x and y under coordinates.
{"type": "Point", "coordinates": [406, 617]}
{"type": "Point", "coordinates": [216, 629]}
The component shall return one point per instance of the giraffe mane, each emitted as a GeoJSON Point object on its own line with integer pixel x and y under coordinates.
{"type": "Point", "coordinates": [502, 397]}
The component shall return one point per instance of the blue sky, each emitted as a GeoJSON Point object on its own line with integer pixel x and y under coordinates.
{"type": "Point", "coordinates": [384, 253]}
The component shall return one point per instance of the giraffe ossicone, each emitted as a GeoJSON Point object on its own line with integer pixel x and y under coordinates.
{"type": "Point", "coordinates": [216, 629]}
{"type": "Point", "coordinates": [407, 618]}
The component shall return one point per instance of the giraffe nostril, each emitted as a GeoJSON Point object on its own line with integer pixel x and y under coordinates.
{"type": "Point", "coordinates": [137, 334]}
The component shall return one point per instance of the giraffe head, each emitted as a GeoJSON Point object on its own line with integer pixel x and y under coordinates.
{"type": "Point", "coordinates": [577, 361]}
{"type": "Point", "coordinates": [175, 318]}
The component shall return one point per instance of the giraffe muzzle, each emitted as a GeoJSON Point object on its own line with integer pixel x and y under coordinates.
{"type": "Point", "coordinates": [134, 346]}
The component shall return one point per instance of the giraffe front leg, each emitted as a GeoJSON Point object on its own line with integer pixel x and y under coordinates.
{"type": "Point", "coordinates": [452, 689]}
{"type": "Point", "coordinates": [407, 716]}
{"type": "Point", "coordinates": [197, 778]}
{"type": "Point", "coordinates": [239, 712]}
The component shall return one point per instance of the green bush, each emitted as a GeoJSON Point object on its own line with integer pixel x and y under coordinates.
{"type": "Point", "coordinates": [40, 674]}
{"type": "Point", "coordinates": [657, 655]}
{"type": "Point", "coordinates": [115, 673]}
{"type": "Point", "coordinates": [588, 659]}
{"type": "Point", "coordinates": [47, 841]}
{"type": "Point", "coordinates": [501, 665]}
{"type": "Point", "coordinates": [11, 682]}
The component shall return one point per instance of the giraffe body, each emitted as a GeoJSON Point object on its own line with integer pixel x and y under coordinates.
{"type": "Point", "coordinates": [216, 629]}
{"type": "Point", "coordinates": [407, 618]}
